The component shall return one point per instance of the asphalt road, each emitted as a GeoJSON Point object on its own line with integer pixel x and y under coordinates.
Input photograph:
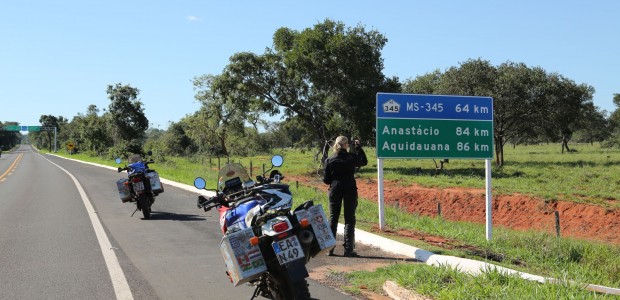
{"type": "Point", "coordinates": [51, 246]}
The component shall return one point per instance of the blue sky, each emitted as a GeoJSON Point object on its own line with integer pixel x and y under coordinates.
{"type": "Point", "coordinates": [57, 57]}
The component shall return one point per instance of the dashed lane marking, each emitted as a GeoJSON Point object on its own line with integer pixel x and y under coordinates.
{"type": "Point", "coordinates": [12, 168]}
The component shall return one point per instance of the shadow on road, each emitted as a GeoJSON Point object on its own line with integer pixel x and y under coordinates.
{"type": "Point", "coordinates": [155, 215]}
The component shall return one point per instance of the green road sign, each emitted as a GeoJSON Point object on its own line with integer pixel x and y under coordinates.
{"type": "Point", "coordinates": [12, 128]}
{"type": "Point", "coordinates": [420, 138]}
{"type": "Point", "coordinates": [22, 128]}
{"type": "Point", "coordinates": [434, 126]}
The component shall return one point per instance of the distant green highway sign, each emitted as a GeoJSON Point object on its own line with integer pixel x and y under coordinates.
{"type": "Point", "coordinates": [22, 128]}
{"type": "Point", "coordinates": [12, 128]}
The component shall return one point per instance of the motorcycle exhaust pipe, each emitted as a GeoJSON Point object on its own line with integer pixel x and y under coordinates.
{"type": "Point", "coordinates": [306, 237]}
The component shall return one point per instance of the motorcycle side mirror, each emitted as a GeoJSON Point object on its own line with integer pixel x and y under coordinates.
{"type": "Point", "coordinates": [277, 160]}
{"type": "Point", "coordinates": [118, 160]}
{"type": "Point", "coordinates": [200, 183]}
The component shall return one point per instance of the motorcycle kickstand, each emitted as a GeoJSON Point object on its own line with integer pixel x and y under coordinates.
{"type": "Point", "coordinates": [256, 292]}
{"type": "Point", "coordinates": [134, 211]}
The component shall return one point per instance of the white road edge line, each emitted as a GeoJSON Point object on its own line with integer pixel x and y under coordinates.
{"type": "Point", "coordinates": [119, 282]}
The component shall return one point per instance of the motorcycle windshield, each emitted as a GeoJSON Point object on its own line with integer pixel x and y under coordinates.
{"type": "Point", "coordinates": [231, 177]}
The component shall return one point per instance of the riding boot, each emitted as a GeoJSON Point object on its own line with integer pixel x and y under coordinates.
{"type": "Point", "coordinates": [349, 240]}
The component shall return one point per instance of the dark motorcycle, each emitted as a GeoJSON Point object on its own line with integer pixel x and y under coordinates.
{"type": "Point", "coordinates": [266, 244]}
{"type": "Point", "coordinates": [141, 186]}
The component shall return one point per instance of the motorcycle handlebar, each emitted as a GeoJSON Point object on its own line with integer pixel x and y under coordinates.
{"type": "Point", "coordinates": [263, 180]}
{"type": "Point", "coordinates": [207, 203]}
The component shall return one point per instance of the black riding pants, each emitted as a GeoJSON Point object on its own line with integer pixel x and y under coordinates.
{"type": "Point", "coordinates": [338, 196]}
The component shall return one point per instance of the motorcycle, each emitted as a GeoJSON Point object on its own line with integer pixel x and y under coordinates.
{"type": "Point", "coordinates": [264, 243]}
{"type": "Point", "coordinates": [142, 184]}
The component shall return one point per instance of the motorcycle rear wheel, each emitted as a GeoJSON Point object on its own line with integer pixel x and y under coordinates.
{"type": "Point", "coordinates": [145, 205]}
{"type": "Point", "coordinates": [281, 289]}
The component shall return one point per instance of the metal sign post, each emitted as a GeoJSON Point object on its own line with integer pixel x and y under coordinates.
{"type": "Point", "coordinates": [434, 126]}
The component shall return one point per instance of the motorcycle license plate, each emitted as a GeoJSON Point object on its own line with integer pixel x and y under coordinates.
{"type": "Point", "coordinates": [288, 250]}
{"type": "Point", "coordinates": [138, 186]}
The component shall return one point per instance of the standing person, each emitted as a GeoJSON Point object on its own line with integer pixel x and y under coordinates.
{"type": "Point", "coordinates": [339, 174]}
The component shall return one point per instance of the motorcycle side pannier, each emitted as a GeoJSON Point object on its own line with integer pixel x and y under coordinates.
{"type": "Point", "coordinates": [324, 239]}
{"type": "Point", "coordinates": [156, 185]}
{"type": "Point", "coordinates": [123, 189]}
{"type": "Point", "coordinates": [244, 262]}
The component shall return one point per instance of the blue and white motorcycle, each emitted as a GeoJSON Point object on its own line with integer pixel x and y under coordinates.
{"type": "Point", "coordinates": [266, 244]}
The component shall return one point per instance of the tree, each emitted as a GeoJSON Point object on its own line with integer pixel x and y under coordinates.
{"type": "Point", "coordinates": [224, 110]}
{"type": "Point", "coordinates": [564, 103]}
{"type": "Point", "coordinates": [475, 78]}
{"type": "Point", "coordinates": [50, 122]}
{"type": "Point", "coordinates": [614, 118]}
{"type": "Point", "coordinates": [517, 94]}
{"type": "Point", "coordinates": [126, 114]}
{"type": "Point", "coordinates": [175, 140]}
{"type": "Point", "coordinates": [527, 102]}
{"type": "Point", "coordinates": [593, 125]}
{"type": "Point", "coordinates": [423, 84]}
{"type": "Point", "coordinates": [326, 77]}
{"type": "Point", "coordinates": [8, 139]}
{"type": "Point", "coordinates": [91, 131]}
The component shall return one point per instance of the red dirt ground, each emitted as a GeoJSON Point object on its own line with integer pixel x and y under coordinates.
{"type": "Point", "coordinates": [520, 212]}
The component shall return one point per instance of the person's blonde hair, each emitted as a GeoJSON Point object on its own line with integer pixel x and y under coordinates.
{"type": "Point", "coordinates": [340, 143]}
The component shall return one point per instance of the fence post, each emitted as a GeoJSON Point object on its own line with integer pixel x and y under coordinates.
{"type": "Point", "coordinates": [557, 223]}
{"type": "Point", "coordinates": [439, 209]}
{"type": "Point", "coordinates": [251, 169]}
{"type": "Point", "coordinates": [296, 184]}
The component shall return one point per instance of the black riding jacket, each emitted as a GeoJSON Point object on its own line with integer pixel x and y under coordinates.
{"type": "Point", "coordinates": [340, 168]}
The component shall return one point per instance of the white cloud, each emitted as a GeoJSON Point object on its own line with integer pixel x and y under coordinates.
{"type": "Point", "coordinates": [193, 19]}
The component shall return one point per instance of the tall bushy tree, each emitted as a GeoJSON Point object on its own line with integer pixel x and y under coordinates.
{"type": "Point", "coordinates": [126, 114]}
{"type": "Point", "coordinates": [518, 90]}
{"type": "Point", "coordinates": [322, 74]}
{"type": "Point", "coordinates": [224, 109]}
{"type": "Point", "coordinates": [564, 102]}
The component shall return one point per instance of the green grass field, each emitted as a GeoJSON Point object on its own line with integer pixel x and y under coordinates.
{"type": "Point", "coordinates": [589, 174]}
